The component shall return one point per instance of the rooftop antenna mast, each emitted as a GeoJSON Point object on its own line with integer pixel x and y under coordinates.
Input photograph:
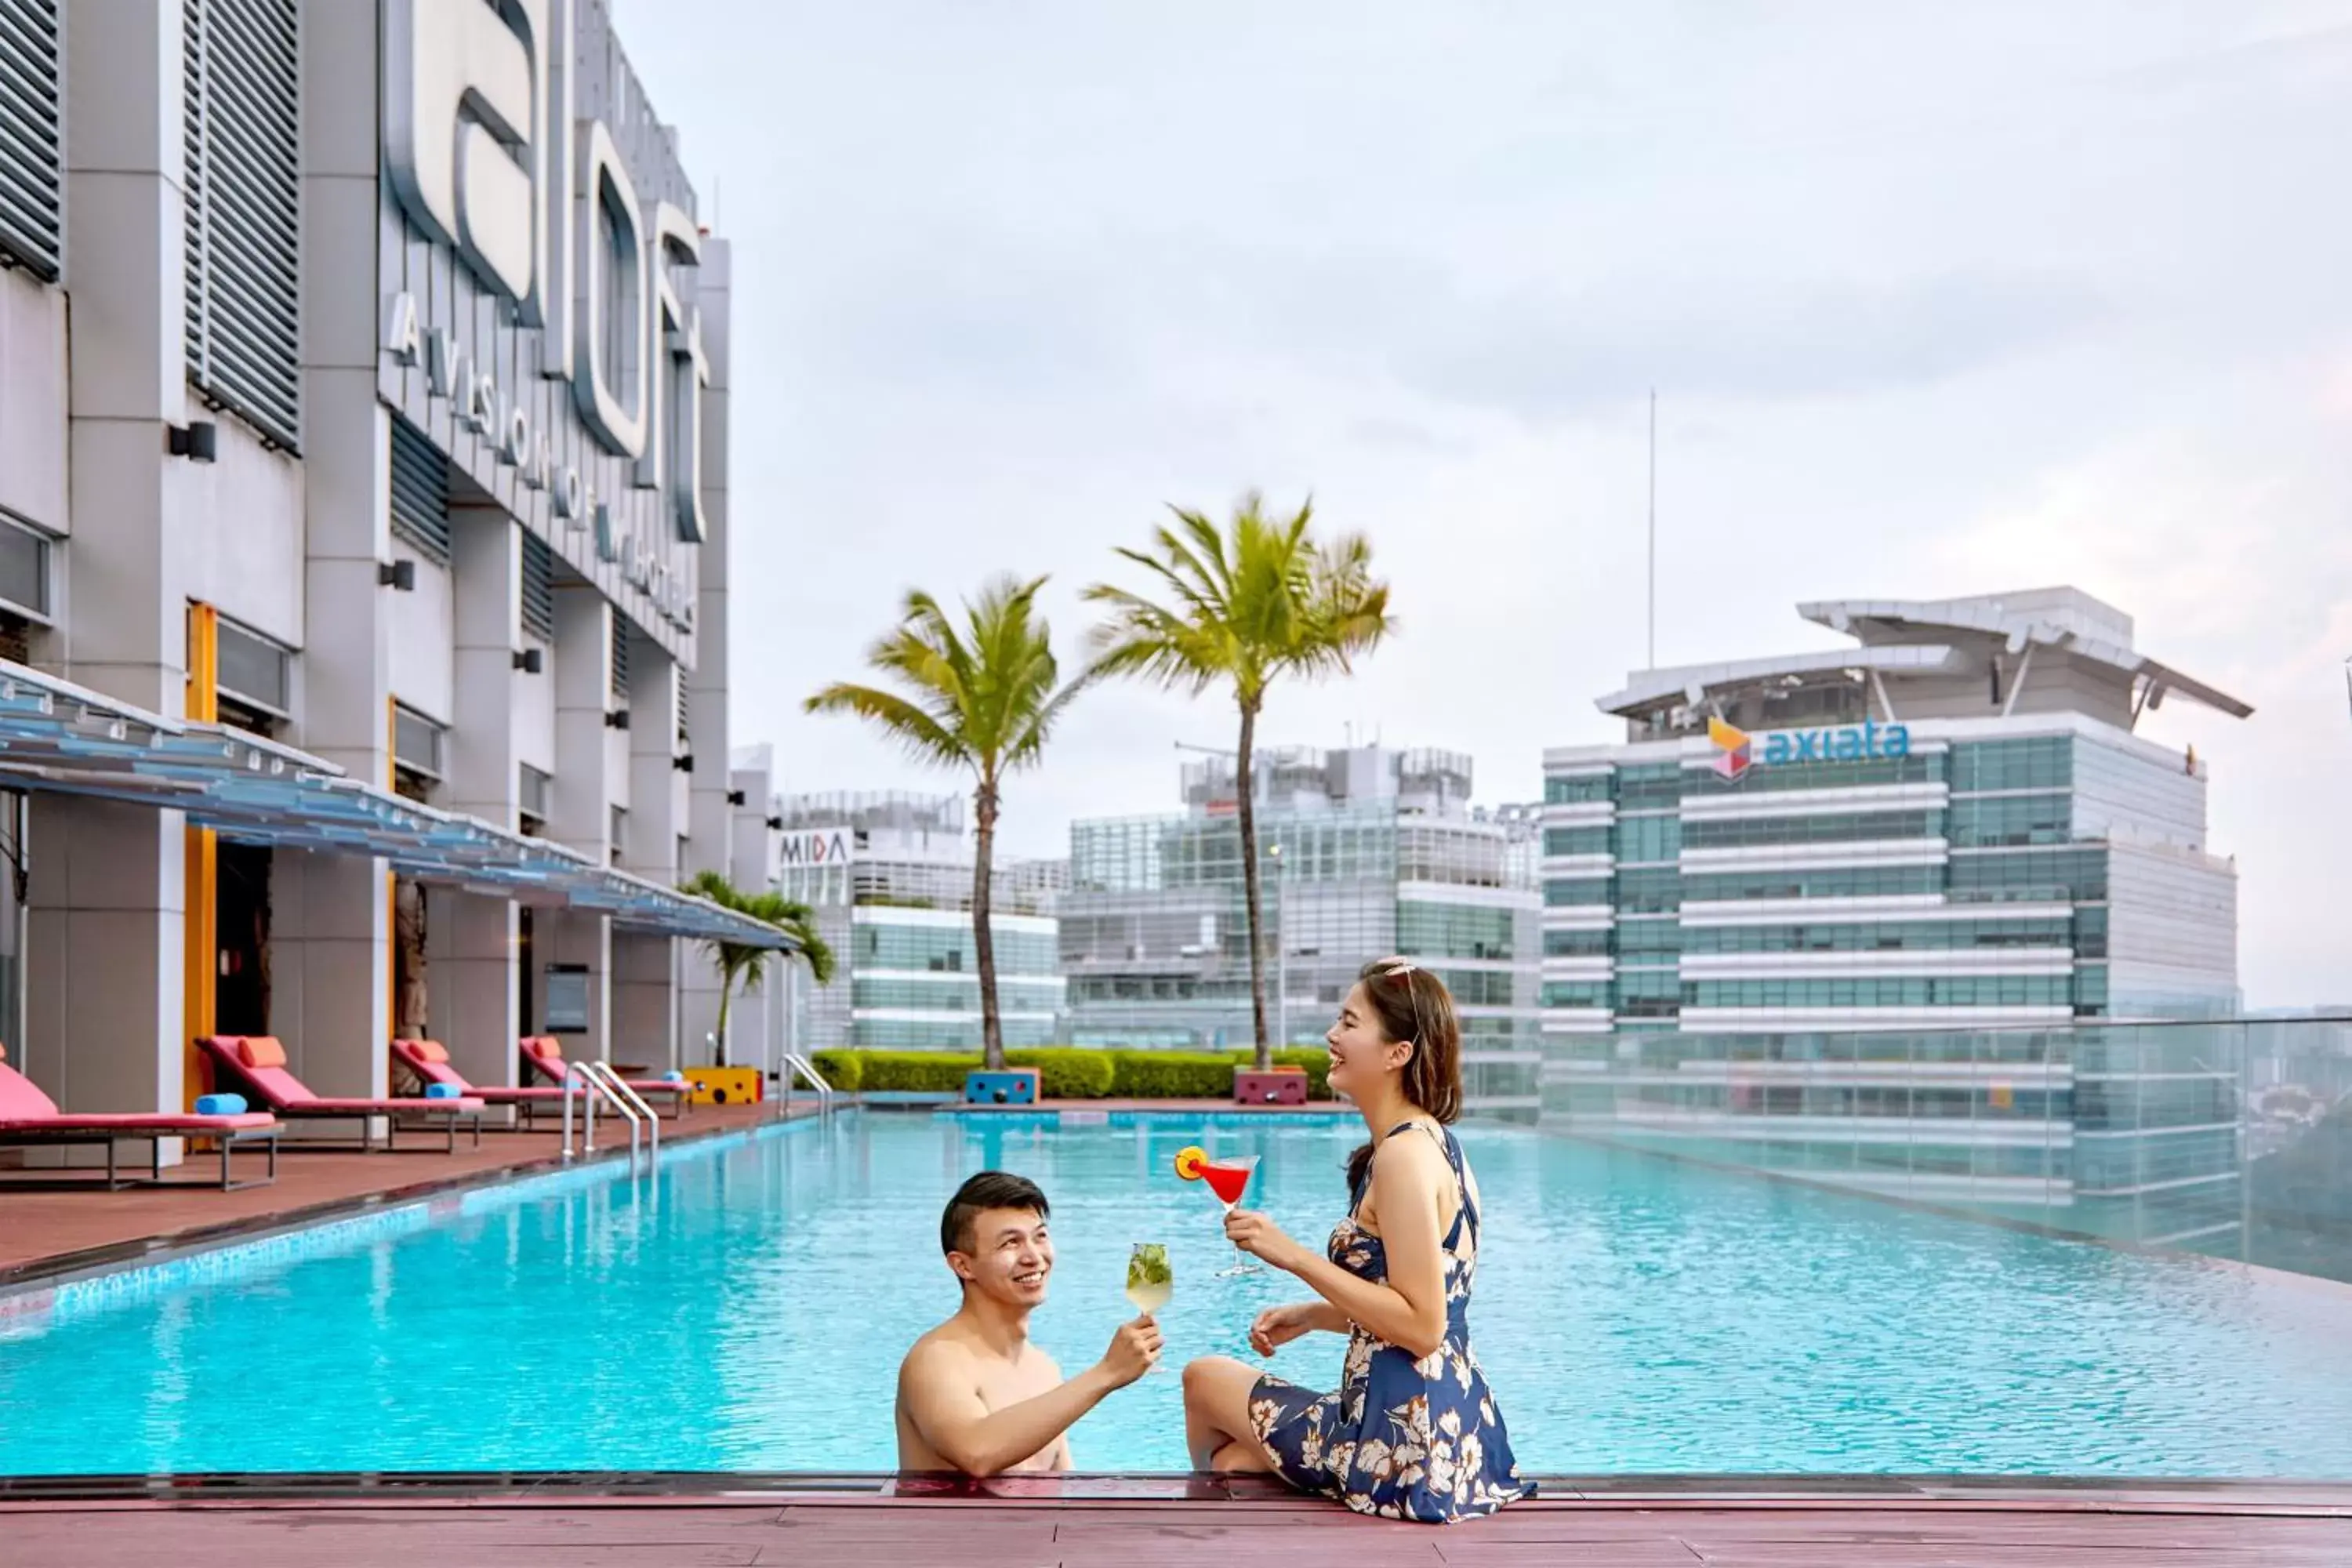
{"type": "Point", "coordinates": [1654, 528]}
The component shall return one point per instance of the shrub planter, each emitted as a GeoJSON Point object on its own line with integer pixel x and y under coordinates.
{"type": "Point", "coordinates": [1013, 1086]}
{"type": "Point", "coordinates": [1281, 1086]}
{"type": "Point", "coordinates": [1064, 1072]}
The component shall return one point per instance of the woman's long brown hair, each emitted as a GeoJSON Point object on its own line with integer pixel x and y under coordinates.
{"type": "Point", "coordinates": [1411, 1003]}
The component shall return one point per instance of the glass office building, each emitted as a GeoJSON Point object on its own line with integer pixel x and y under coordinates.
{"type": "Point", "coordinates": [889, 875]}
{"type": "Point", "coordinates": [1894, 915]}
{"type": "Point", "coordinates": [1362, 852]}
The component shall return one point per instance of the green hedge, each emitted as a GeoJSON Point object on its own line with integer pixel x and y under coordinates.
{"type": "Point", "coordinates": [1172, 1075]}
{"type": "Point", "coordinates": [1067, 1072]}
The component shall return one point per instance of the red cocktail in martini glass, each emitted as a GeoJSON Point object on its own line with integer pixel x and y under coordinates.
{"type": "Point", "coordinates": [1229, 1179]}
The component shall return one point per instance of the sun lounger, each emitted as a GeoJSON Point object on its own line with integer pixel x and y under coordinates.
{"type": "Point", "coordinates": [28, 1117]}
{"type": "Point", "coordinates": [256, 1063]}
{"type": "Point", "coordinates": [543, 1055]}
{"type": "Point", "coordinates": [429, 1061]}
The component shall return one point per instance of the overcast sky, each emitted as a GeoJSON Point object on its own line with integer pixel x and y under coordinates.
{"type": "Point", "coordinates": [1938, 300]}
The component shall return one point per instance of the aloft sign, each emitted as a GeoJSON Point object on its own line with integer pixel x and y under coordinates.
{"type": "Point", "coordinates": [482, 152]}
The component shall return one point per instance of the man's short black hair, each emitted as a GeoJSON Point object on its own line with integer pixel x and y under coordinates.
{"type": "Point", "coordinates": [988, 1190]}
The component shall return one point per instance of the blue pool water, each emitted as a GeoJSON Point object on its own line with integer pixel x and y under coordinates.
{"type": "Point", "coordinates": [747, 1309]}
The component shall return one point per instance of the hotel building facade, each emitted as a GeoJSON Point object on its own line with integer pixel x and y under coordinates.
{"type": "Point", "coordinates": [1362, 852]}
{"type": "Point", "coordinates": [364, 523]}
{"type": "Point", "coordinates": [1922, 914]}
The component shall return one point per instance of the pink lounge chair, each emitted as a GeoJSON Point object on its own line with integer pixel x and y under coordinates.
{"type": "Point", "coordinates": [543, 1055]}
{"type": "Point", "coordinates": [257, 1063]}
{"type": "Point", "coordinates": [429, 1061]}
{"type": "Point", "coordinates": [28, 1117]}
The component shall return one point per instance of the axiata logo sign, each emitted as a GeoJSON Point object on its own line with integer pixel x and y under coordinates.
{"type": "Point", "coordinates": [483, 153]}
{"type": "Point", "coordinates": [1735, 749]}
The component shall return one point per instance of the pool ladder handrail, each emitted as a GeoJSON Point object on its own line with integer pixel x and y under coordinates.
{"type": "Point", "coordinates": [594, 1080]}
{"type": "Point", "coordinates": [631, 1105]}
{"type": "Point", "coordinates": [797, 1065]}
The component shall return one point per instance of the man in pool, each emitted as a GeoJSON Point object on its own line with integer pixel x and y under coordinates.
{"type": "Point", "coordinates": [974, 1394]}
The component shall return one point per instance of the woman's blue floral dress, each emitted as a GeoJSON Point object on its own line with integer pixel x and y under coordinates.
{"type": "Point", "coordinates": [1401, 1438]}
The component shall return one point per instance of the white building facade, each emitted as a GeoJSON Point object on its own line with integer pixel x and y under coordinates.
{"type": "Point", "coordinates": [375, 501]}
{"type": "Point", "coordinates": [1880, 912]}
{"type": "Point", "coordinates": [888, 877]}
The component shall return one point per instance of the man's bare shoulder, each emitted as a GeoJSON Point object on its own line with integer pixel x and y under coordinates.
{"type": "Point", "coordinates": [945, 1352]}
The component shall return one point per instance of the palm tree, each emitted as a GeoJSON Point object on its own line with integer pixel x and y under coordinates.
{"type": "Point", "coordinates": [985, 697]}
{"type": "Point", "coordinates": [741, 965]}
{"type": "Point", "coordinates": [1258, 600]}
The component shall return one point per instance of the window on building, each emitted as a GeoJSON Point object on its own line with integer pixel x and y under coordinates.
{"type": "Point", "coordinates": [1558, 892]}
{"type": "Point", "coordinates": [1639, 937]}
{"type": "Point", "coordinates": [1594, 944]}
{"type": "Point", "coordinates": [1649, 993]}
{"type": "Point", "coordinates": [1579, 789]}
{"type": "Point", "coordinates": [1656, 839]}
{"type": "Point", "coordinates": [243, 104]}
{"type": "Point", "coordinates": [620, 661]}
{"type": "Point", "coordinates": [531, 790]}
{"type": "Point", "coordinates": [1826, 773]}
{"type": "Point", "coordinates": [2013, 819]}
{"type": "Point", "coordinates": [620, 831]}
{"type": "Point", "coordinates": [32, 150]}
{"type": "Point", "coordinates": [538, 588]}
{"type": "Point", "coordinates": [252, 670]}
{"type": "Point", "coordinates": [420, 494]}
{"type": "Point", "coordinates": [1838, 882]}
{"type": "Point", "coordinates": [2041, 762]}
{"type": "Point", "coordinates": [1649, 892]}
{"type": "Point", "coordinates": [1826, 828]}
{"type": "Point", "coordinates": [416, 751]}
{"type": "Point", "coordinates": [23, 558]}
{"type": "Point", "coordinates": [1650, 784]}
{"type": "Point", "coordinates": [1576, 840]}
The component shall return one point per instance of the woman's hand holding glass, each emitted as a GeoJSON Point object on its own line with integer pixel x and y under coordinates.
{"type": "Point", "coordinates": [1255, 1234]}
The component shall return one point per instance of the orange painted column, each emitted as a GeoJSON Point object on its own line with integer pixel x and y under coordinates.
{"type": "Point", "coordinates": [202, 918]}
{"type": "Point", "coordinates": [391, 889]}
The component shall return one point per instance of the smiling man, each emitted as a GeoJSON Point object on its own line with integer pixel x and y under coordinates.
{"type": "Point", "coordinates": [974, 1394]}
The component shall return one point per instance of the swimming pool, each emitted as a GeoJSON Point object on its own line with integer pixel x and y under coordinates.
{"type": "Point", "coordinates": [747, 1307]}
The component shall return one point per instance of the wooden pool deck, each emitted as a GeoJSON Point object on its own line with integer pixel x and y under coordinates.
{"type": "Point", "coordinates": [1114, 1523]}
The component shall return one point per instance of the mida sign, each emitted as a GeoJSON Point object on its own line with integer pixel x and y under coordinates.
{"type": "Point", "coordinates": [814, 847]}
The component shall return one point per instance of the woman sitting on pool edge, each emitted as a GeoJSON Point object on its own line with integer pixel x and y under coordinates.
{"type": "Point", "coordinates": [1412, 1432]}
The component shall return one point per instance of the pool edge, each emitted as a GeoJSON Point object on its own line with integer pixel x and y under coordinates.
{"type": "Point", "coordinates": [31, 1278]}
{"type": "Point", "coordinates": [375, 1489]}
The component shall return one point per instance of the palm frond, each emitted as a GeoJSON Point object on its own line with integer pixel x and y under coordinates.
{"type": "Point", "coordinates": [923, 734]}
{"type": "Point", "coordinates": [979, 690]}
{"type": "Point", "coordinates": [1259, 598]}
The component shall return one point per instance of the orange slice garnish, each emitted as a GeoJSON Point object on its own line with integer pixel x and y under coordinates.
{"type": "Point", "coordinates": [1189, 1161]}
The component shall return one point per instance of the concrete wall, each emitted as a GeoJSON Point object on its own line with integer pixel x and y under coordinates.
{"type": "Point", "coordinates": [33, 442]}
